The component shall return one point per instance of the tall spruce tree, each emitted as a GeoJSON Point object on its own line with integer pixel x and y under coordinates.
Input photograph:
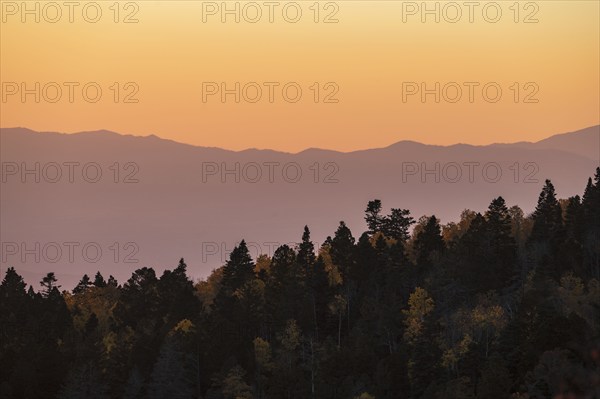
{"type": "Point", "coordinates": [502, 248]}
{"type": "Point", "coordinates": [373, 216]}
{"type": "Point", "coordinates": [429, 244]}
{"type": "Point", "coordinates": [238, 269]}
{"type": "Point", "coordinates": [547, 233]}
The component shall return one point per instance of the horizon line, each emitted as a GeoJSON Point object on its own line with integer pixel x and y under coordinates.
{"type": "Point", "coordinates": [154, 135]}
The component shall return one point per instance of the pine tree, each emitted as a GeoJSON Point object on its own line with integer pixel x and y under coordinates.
{"type": "Point", "coordinates": [176, 294]}
{"type": "Point", "coordinates": [547, 217]}
{"type": "Point", "coordinates": [591, 198]}
{"type": "Point", "coordinates": [591, 227]}
{"type": "Point", "coordinates": [471, 255]}
{"type": "Point", "coordinates": [99, 281]}
{"type": "Point", "coordinates": [396, 225]}
{"type": "Point", "coordinates": [12, 286]}
{"type": "Point", "coordinates": [318, 284]}
{"type": "Point", "coordinates": [112, 282]}
{"type": "Point", "coordinates": [573, 218]}
{"type": "Point", "coordinates": [342, 248]}
{"type": "Point", "coordinates": [15, 307]}
{"type": "Point", "coordinates": [547, 233]}
{"type": "Point", "coordinates": [139, 301]}
{"type": "Point", "coordinates": [306, 250]}
{"type": "Point", "coordinates": [83, 285]}
{"type": "Point", "coordinates": [571, 248]}
{"type": "Point", "coordinates": [429, 243]}
{"type": "Point", "coordinates": [286, 292]}
{"type": "Point", "coordinates": [372, 216]}
{"type": "Point", "coordinates": [308, 271]}
{"type": "Point", "coordinates": [231, 324]}
{"type": "Point", "coordinates": [502, 256]}
{"type": "Point", "coordinates": [49, 284]}
{"type": "Point", "coordinates": [238, 269]}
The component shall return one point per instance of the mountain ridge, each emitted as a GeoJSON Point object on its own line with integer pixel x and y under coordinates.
{"type": "Point", "coordinates": [175, 207]}
{"type": "Point", "coordinates": [586, 133]}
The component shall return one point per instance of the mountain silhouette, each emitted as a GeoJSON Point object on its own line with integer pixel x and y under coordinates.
{"type": "Point", "coordinates": [182, 206]}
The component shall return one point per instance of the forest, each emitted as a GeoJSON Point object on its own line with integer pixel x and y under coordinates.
{"type": "Point", "coordinates": [496, 305]}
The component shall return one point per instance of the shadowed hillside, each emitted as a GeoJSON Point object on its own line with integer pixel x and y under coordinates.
{"type": "Point", "coordinates": [172, 198]}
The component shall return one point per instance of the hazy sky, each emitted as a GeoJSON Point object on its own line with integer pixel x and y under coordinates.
{"type": "Point", "coordinates": [373, 61]}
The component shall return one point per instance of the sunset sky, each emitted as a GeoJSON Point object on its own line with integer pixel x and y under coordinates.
{"type": "Point", "coordinates": [367, 55]}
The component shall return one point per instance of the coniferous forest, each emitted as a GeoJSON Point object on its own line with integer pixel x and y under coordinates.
{"type": "Point", "coordinates": [496, 305]}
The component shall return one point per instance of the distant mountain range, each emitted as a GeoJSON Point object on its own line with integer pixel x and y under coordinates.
{"type": "Point", "coordinates": [186, 201]}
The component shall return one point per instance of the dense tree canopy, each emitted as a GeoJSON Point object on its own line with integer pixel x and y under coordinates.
{"type": "Point", "coordinates": [497, 305]}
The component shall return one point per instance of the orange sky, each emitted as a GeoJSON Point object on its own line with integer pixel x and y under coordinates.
{"type": "Point", "coordinates": [368, 55]}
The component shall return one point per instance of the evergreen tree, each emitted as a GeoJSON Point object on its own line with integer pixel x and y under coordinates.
{"type": "Point", "coordinates": [591, 227]}
{"type": "Point", "coordinates": [374, 220]}
{"type": "Point", "coordinates": [547, 217]}
{"type": "Point", "coordinates": [12, 286]}
{"type": "Point", "coordinates": [591, 203]}
{"type": "Point", "coordinates": [571, 248]}
{"type": "Point", "coordinates": [502, 255]}
{"type": "Point", "coordinates": [15, 309]}
{"type": "Point", "coordinates": [286, 292]}
{"type": "Point", "coordinates": [319, 291]}
{"type": "Point", "coordinates": [342, 248]}
{"type": "Point", "coordinates": [99, 281]}
{"type": "Point", "coordinates": [429, 243]}
{"type": "Point", "coordinates": [176, 294]}
{"type": "Point", "coordinates": [396, 225]}
{"type": "Point", "coordinates": [547, 233]}
{"type": "Point", "coordinates": [306, 250]}
{"type": "Point", "coordinates": [49, 284]}
{"type": "Point", "coordinates": [472, 256]}
{"type": "Point", "coordinates": [139, 299]}
{"type": "Point", "coordinates": [83, 285]}
{"type": "Point", "coordinates": [112, 282]}
{"type": "Point", "coordinates": [238, 269]}
{"type": "Point", "coordinates": [573, 218]}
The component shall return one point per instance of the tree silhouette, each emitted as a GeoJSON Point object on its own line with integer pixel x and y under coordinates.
{"type": "Point", "coordinates": [494, 305]}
